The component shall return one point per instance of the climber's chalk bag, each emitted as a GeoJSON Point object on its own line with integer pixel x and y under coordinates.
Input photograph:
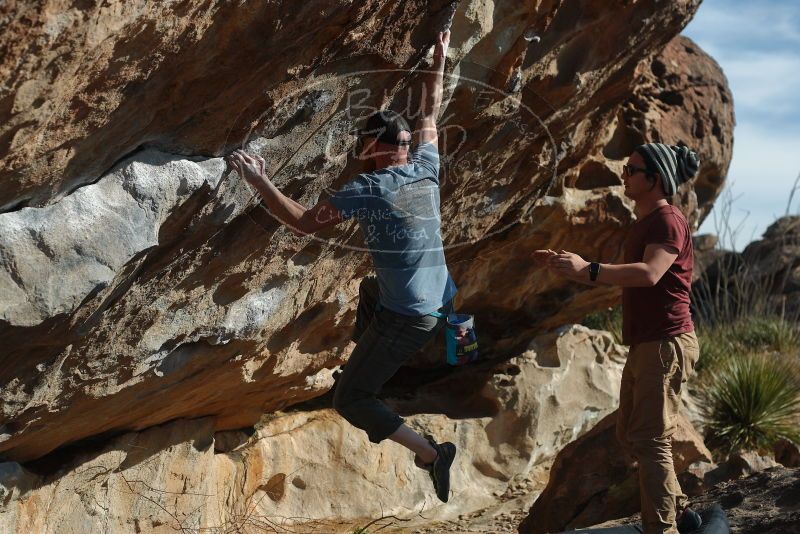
{"type": "Point", "coordinates": [460, 339]}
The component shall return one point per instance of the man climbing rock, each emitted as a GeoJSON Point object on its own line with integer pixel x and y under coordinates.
{"type": "Point", "coordinates": [397, 206]}
{"type": "Point", "coordinates": [657, 324]}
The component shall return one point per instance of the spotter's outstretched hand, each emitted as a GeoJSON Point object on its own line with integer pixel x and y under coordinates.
{"type": "Point", "coordinates": [567, 264]}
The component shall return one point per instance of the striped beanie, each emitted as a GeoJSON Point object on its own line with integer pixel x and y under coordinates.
{"type": "Point", "coordinates": [675, 163]}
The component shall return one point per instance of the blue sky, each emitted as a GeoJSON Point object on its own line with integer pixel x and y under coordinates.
{"type": "Point", "coordinates": [757, 44]}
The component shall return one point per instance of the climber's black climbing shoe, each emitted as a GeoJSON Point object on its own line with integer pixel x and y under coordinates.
{"type": "Point", "coordinates": [440, 469]}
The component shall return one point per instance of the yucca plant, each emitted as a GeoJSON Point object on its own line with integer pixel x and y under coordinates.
{"type": "Point", "coordinates": [750, 403]}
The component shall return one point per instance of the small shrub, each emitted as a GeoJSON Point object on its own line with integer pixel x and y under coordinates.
{"type": "Point", "coordinates": [715, 348]}
{"type": "Point", "coordinates": [609, 320]}
{"type": "Point", "coordinates": [768, 333]}
{"type": "Point", "coordinates": [750, 403]}
{"type": "Point", "coordinates": [745, 336]}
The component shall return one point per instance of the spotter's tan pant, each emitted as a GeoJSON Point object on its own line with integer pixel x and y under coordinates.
{"type": "Point", "coordinates": [649, 402]}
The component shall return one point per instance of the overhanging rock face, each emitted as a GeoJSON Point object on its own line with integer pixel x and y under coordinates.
{"type": "Point", "coordinates": [140, 283]}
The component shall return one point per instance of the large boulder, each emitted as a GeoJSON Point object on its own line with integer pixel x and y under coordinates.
{"type": "Point", "coordinates": [313, 468]}
{"type": "Point", "coordinates": [142, 284]}
{"type": "Point", "coordinates": [591, 481]}
{"type": "Point", "coordinates": [765, 276]}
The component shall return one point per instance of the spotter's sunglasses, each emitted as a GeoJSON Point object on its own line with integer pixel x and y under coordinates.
{"type": "Point", "coordinates": [630, 170]}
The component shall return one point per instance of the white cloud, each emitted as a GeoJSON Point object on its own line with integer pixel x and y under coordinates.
{"type": "Point", "coordinates": [744, 24]}
{"type": "Point", "coordinates": [757, 44]}
{"type": "Point", "coordinates": [764, 167]}
{"type": "Point", "coordinates": [763, 83]}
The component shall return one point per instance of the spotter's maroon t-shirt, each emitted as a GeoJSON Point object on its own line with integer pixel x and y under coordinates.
{"type": "Point", "coordinates": [661, 311]}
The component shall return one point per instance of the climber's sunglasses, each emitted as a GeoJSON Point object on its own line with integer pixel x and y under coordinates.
{"type": "Point", "coordinates": [373, 134]}
{"type": "Point", "coordinates": [360, 142]}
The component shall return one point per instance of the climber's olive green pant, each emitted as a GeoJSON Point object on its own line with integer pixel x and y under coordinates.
{"type": "Point", "coordinates": [649, 402]}
{"type": "Point", "coordinates": [384, 341]}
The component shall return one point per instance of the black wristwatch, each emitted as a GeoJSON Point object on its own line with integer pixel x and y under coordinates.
{"type": "Point", "coordinates": [594, 270]}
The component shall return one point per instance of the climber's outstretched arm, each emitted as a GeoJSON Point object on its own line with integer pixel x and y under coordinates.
{"type": "Point", "coordinates": [432, 90]}
{"type": "Point", "coordinates": [297, 217]}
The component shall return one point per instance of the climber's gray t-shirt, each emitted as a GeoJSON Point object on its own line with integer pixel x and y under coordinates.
{"type": "Point", "coordinates": [398, 211]}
